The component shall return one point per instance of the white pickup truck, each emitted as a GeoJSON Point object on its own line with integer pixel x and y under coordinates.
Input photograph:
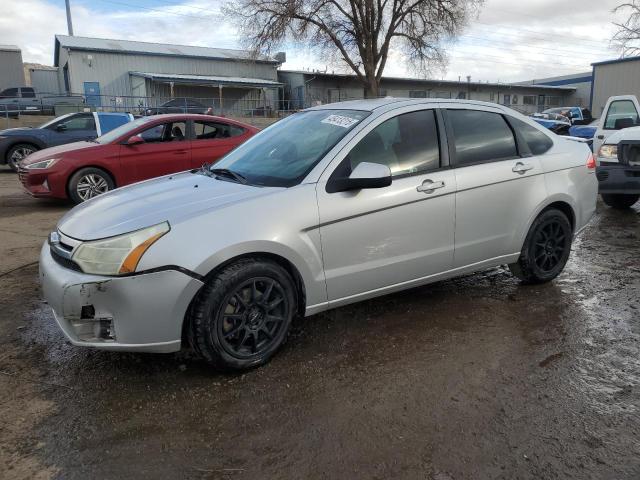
{"type": "Point", "coordinates": [616, 144]}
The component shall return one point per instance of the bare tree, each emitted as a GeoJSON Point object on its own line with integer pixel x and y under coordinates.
{"type": "Point", "coordinates": [627, 37]}
{"type": "Point", "coordinates": [358, 33]}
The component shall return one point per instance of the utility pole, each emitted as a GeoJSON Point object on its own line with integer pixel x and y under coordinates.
{"type": "Point", "coordinates": [69, 24]}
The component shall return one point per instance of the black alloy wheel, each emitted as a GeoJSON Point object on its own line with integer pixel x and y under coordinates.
{"type": "Point", "coordinates": [252, 317]}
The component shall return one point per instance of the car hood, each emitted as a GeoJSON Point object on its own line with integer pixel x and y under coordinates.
{"type": "Point", "coordinates": [173, 198]}
{"type": "Point", "coordinates": [9, 132]}
{"type": "Point", "coordinates": [58, 151]}
{"type": "Point", "coordinates": [631, 133]}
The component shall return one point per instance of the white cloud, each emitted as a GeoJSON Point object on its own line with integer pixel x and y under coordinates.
{"type": "Point", "coordinates": [508, 42]}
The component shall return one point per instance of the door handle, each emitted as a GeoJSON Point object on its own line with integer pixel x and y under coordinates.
{"type": "Point", "coordinates": [179, 152]}
{"type": "Point", "coordinates": [521, 168]}
{"type": "Point", "coordinates": [600, 137]}
{"type": "Point", "coordinates": [428, 186]}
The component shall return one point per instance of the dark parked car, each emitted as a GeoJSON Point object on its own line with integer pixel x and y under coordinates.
{"type": "Point", "coordinates": [178, 105]}
{"type": "Point", "coordinates": [145, 148]}
{"type": "Point", "coordinates": [17, 143]}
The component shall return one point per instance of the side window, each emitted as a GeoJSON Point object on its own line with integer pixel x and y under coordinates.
{"type": "Point", "coordinates": [621, 114]}
{"type": "Point", "coordinates": [481, 136]}
{"type": "Point", "coordinates": [165, 132]}
{"type": "Point", "coordinates": [407, 144]}
{"type": "Point", "coordinates": [537, 141]}
{"type": "Point", "coordinates": [212, 130]}
{"type": "Point", "coordinates": [81, 122]}
{"type": "Point", "coordinates": [9, 92]}
{"type": "Point", "coordinates": [28, 92]}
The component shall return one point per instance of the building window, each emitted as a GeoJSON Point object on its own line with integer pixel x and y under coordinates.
{"type": "Point", "coordinates": [553, 101]}
{"type": "Point", "coordinates": [417, 94]}
{"type": "Point", "coordinates": [528, 99]}
{"type": "Point", "coordinates": [506, 99]}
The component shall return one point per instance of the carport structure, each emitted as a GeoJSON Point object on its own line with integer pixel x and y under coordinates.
{"type": "Point", "coordinates": [239, 95]}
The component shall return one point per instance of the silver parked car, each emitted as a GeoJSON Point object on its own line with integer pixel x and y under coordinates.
{"type": "Point", "coordinates": [329, 206]}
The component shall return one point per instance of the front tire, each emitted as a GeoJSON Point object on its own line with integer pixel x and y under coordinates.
{"type": "Point", "coordinates": [620, 201]}
{"type": "Point", "coordinates": [242, 316]}
{"type": "Point", "coordinates": [88, 183]}
{"type": "Point", "coordinates": [546, 248]}
{"type": "Point", "coordinates": [19, 152]}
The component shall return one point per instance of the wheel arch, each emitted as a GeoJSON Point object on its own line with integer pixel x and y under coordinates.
{"type": "Point", "coordinates": [301, 293]}
{"type": "Point", "coordinates": [564, 203]}
{"type": "Point", "coordinates": [76, 170]}
{"type": "Point", "coordinates": [39, 145]}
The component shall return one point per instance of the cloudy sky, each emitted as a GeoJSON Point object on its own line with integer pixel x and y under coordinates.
{"type": "Point", "coordinates": [509, 41]}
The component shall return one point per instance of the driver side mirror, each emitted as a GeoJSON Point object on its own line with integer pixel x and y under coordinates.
{"type": "Point", "coordinates": [134, 140]}
{"type": "Point", "coordinates": [61, 128]}
{"type": "Point", "coordinates": [365, 175]}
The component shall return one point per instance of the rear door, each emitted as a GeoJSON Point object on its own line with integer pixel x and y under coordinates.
{"type": "Point", "coordinates": [165, 150]}
{"type": "Point", "coordinates": [212, 140]}
{"type": "Point", "coordinates": [499, 184]}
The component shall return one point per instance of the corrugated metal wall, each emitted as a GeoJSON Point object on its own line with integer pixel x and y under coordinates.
{"type": "Point", "coordinates": [45, 81]}
{"type": "Point", "coordinates": [11, 69]}
{"type": "Point", "coordinates": [621, 78]}
{"type": "Point", "coordinates": [111, 70]}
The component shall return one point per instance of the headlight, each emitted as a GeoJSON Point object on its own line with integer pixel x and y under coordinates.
{"type": "Point", "coordinates": [117, 255]}
{"type": "Point", "coordinates": [608, 151]}
{"type": "Point", "coordinates": [42, 164]}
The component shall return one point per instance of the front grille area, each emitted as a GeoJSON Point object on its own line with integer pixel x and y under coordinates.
{"type": "Point", "coordinates": [65, 262]}
{"type": "Point", "coordinates": [602, 175]}
{"type": "Point", "coordinates": [22, 176]}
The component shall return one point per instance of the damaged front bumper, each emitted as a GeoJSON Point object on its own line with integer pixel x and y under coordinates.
{"type": "Point", "coordinates": [138, 313]}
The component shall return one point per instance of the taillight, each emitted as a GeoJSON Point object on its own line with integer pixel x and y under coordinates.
{"type": "Point", "coordinates": [591, 162]}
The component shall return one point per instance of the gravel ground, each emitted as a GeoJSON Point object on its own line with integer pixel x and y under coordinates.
{"type": "Point", "coordinates": [473, 378]}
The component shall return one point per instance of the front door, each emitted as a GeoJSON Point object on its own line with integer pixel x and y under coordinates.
{"type": "Point", "coordinates": [380, 239]}
{"type": "Point", "coordinates": [499, 185]}
{"type": "Point", "coordinates": [76, 128]}
{"type": "Point", "coordinates": [165, 150]}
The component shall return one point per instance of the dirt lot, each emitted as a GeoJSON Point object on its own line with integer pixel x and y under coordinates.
{"type": "Point", "coordinates": [474, 378]}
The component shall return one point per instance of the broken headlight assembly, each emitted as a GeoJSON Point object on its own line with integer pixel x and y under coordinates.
{"type": "Point", "coordinates": [118, 255]}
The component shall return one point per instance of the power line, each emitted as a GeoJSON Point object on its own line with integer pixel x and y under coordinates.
{"type": "Point", "coordinates": [164, 12]}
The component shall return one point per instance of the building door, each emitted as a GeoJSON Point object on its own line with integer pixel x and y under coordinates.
{"type": "Point", "coordinates": [540, 103]}
{"type": "Point", "coordinates": [92, 93]}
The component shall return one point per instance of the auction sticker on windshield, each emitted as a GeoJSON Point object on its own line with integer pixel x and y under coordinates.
{"type": "Point", "coordinates": [340, 121]}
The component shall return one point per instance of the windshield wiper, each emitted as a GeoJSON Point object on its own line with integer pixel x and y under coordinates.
{"type": "Point", "coordinates": [225, 172]}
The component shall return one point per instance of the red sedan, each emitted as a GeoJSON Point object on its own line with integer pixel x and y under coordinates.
{"type": "Point", "coordinates": [145, 148]}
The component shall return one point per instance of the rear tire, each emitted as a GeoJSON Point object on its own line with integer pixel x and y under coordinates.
{"type": "Point", "coordinates": [242, 316]}
{"type": "Point", "coordinates": [620, 201]}
{"type": "Point", "coordinates": [19, 152]}
{"type": "Point", "coordinates": [546, 248]}
{"type": "Point", "coordinates": [88, 183]}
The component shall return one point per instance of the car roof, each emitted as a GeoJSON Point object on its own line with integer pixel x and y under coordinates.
{"type": "Point", "coordinates": [388, 103]}
{"type": "Point", "coordinates": [196, 116]}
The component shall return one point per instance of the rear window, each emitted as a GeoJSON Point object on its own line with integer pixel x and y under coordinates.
{"type": "Point", "coordinates": [28, 92]}
{"type": "Point", "coordinates": [481, 137]}
{"type": "Point", "coordinates": [537, 141]}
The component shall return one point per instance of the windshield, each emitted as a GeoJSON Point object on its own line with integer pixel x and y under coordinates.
{"type": "Point", "coordinates": [283, 154]}
{"type": "Point", "coordinates": [55, 120]}
{"type": "Point", "coordinates": [121, 130]}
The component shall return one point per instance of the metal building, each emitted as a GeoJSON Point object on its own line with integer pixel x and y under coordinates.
{"type": "Point", "coordinates": [11, 71]}
{"type": "Point", "coordinates": [614, 77]}
{"type": "Point", "coordinates": [581, 81]}
{"type": "Point", "coordinates": [304, 89]}
{"type": "Point", "coordinates": [42, 78]}
{"type": "Point", "coordinates": [129, 74]}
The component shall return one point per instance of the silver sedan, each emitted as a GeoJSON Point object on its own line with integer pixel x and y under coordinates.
{"type": "Point", "coordinates": [330, 206]}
